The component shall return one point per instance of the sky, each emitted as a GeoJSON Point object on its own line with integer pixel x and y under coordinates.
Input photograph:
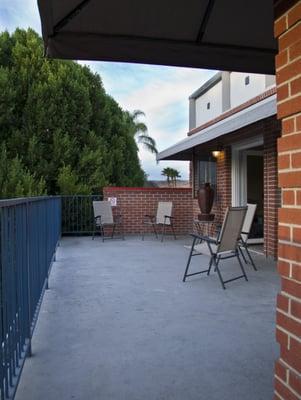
{"type": "Point", "coordinates": [160, 92]}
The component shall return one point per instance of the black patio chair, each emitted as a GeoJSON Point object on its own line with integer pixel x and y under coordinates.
{"type": "Point", "coordinates": [103, 217]}
{"type": "Point", "coordinates": [224, 247]}
{"type": "Point", "coordinates": [163, 218]}
{"type": "Point", "coordinates": [245, 232]}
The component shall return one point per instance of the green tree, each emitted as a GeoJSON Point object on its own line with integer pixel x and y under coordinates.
{"type": "Point", "coordinates": [16, 180]}
{"type": "Point", "coordinates": [171, 175]}
{"type": "Point", "coordinates": [58, 123]}
{"type": "Point", "coordinates": [140, 131]}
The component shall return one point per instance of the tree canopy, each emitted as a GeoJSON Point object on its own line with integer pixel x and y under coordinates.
{"type": "Point", "coordinates": [171, 175]}
{"type": "Point", "coordinates": [60, 133]}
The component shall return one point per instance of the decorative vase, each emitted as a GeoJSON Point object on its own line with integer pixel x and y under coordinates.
{"type": "Point", "coordinates": [205, 197]}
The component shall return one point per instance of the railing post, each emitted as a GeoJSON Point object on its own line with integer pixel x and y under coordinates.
{"type": "Point", "coordinates": [29, 348]}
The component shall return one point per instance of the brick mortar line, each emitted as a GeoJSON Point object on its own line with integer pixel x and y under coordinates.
{"type": "Point", "coordinates": [290, 296]}
{"type": "Point", "coordinates": [290, 206]}
{"type": "Point", "coordinates": [288, 28]}
{"type": "Point", "coordinates": [286, 65]}
{"type": "Point", "coordinates": [286, 152]}
{"type": "Point", "coordinates": [281, 241]}
{"type": "Point", "coordinates": [280, 397]}
{"type": "Point", "coordinates": [289, 387]}
{"type": "Point", "coordinates": [288, 81]}
{"type": "Point", "coordinates": [290, 316]}
{"type": "Point", "coordinates": [289, 335]}
{"type": "Point", "coordinates": [298, 114]}
{"type": "Point", "coordinates": [292, 169]}
{"type": "Point", "coordinates": [289, 367]}
{"type": "Point", "coordinates": [291, 133]}
{"type": "Point", "coordinates": [289, 97]}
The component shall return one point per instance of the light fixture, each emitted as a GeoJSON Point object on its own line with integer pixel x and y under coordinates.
{"type": "Point", "coordinates": [216, 153]}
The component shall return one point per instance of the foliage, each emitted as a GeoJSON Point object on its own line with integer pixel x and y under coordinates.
{"type": "Point", "coordinates": [140, 131]}
{"type": "Point", "coordinates": [171, 175]}
{"type": "Point", "coordinates": [59, 130]}
{"type": "Point", "coordinates": [16, 180]}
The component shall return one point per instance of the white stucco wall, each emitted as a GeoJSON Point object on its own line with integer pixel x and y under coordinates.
{"type": "Point", "coordinates": [212, 96]}
{"type": "Point", "coordinates": [240, 92]}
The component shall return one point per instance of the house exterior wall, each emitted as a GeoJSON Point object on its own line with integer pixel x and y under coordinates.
{"type": "Point", "coordinates": [214, 97]}
{"type": "Point", "coordinates": [270, 130]}
{"type": "Point", "coordinates": [287, 30]}
{"type": "Point", "coordinates": [227, 91]}
{"type": "Point", "coordinates": [240, 92]}
{"type": "Point", "coordinates": [135, 203]}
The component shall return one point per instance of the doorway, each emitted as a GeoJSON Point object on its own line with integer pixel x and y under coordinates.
{"type": "Point", "coordinates": [248, 182]}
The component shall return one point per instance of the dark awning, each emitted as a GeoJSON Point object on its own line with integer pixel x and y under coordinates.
{"type": "Point", "coordinates": [220, 34]}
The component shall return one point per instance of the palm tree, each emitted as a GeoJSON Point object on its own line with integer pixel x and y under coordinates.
{"type": "Point", "coordinates": [140, 131]}
{"type": "Point", "coordinates": [174, 175]}
{"type": "Point", "coordinates": [168, 173]}
{"type": "Point", "coordinates": [171, 175]}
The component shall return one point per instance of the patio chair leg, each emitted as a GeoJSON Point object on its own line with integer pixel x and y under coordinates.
{"type": "Point", "coordinates": [219, 273]}
{"type": "Point", "coordinates": [163, 232]}
{"type": "Point", "coordinates": [102, 233]}
{"type": "Point", "coordinates": [122, 231]}
{"type": "Point", "coordinates": [142, 236]}
{"type": "Point", "coordinates": [113, 231]}
{"type": "Point", "coordinates": [241, 266]}
{"type": "Point", "coordinates": [250, 258]}
{"type": "Point", "coordinates": [242, 254]}
{"type": "Point", "coordinates": [210, 265]}
{"type": "Point", "coordinates": [189, 260]}
{"type": "Point", "coordinates": [155, 231]}
{"type": "Point", "coordinates": [173, 231]}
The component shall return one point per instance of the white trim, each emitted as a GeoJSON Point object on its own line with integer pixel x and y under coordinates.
{"type": "Point", "coordinates": [247, 116]}
{"type": "Point", "coordinates": [239, 171]}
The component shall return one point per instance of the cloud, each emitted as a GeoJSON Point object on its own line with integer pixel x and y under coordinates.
{"type": "Point", "coordinates": [162, 93]}
{"type": "Point", "coordinates": [19, 14]}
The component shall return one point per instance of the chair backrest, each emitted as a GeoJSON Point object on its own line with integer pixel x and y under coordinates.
{"type": "Point", "coordinates": [104, 210]}
{"type": "Point", "coordinates": [231, 229]}
{"type": "Point", "coordinates": [164, 208]}
{"type": "Point", "coordinates": [246, 228]}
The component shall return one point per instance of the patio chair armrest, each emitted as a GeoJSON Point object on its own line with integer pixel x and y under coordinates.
{"type": "Point", "coordinates": [205, 238]}
{"type": "Point", "coordinates": [97, 217]}
{"type": "Point", "coordinates": [168, 216]}
{"type": "Point", "coordinates": [151, 217]}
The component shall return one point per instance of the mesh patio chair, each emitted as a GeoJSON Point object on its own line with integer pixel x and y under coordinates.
{"type": "Point", "coordinates": [245, 232]}
{"type": "Point", "coordinates": [224, 247]}
{"type": "Point", "coordinates": [103, 217]}
{"type": "Point", "coordinates": [163, 218]}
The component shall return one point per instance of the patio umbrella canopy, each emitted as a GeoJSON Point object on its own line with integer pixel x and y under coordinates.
{"type": "Point", "coordinates": [231, 35]}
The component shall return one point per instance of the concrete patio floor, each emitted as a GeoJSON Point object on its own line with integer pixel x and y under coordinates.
{"type": "Point", "coordinates": [118, 324]}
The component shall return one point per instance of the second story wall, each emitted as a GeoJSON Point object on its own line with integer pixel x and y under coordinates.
{"type": "Point", "coordinates": [209, 105]}
{"type": "Point", "coordinates": [224, 91]}
{"type": "Point", "coordinates": [245, 86]}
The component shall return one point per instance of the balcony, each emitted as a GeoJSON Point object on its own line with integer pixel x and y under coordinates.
{"type": "Point", "coordinates": [117, 323]}
{"type": "Point", "coordinates": [113, 320]}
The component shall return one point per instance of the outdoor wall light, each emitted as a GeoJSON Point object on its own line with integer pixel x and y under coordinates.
{"type": "Point", "coordinates": [216, 153]}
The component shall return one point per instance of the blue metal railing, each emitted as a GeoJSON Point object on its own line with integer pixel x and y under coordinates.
{"type": "Point", "coordinates": [77, 214]}
{"type": "Point", "coordinates": [30, 230]}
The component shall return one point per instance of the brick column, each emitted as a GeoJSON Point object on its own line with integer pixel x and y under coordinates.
{"type": "Point", "coordinates": [288, 79]}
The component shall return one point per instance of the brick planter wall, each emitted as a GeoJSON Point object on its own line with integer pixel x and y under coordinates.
{"type": "Point", "coordinates": [288, 77]}
{"type": "Point", "coordinates": [134, 203]}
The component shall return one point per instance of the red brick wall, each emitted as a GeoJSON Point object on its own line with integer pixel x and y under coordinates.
{"type": "Point", "coordinates": [288, 320]}
{"type": "Point", "coordinates": [270, 129]}
{"type": "Point", "coordinates": [272, 196]}
{"type": "Point", "coordinates": [134, 203]}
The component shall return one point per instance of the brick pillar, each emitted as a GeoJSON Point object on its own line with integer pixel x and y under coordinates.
{"type": "Point", "coordinates": [288, 79]}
